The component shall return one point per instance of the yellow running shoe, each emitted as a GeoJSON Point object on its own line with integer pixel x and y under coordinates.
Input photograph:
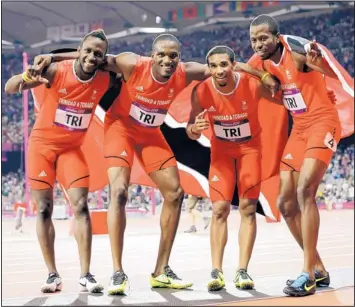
{"type": "Point", "coordinates": [169, 280]}
{"type": "Point", "coordinates": [243, 280]}
{"type": "Point", "coordinates": [118, 283]}
{"type": "Point", "coordinates": [217, 281]}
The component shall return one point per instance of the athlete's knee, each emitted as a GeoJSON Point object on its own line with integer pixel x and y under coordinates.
{"type": "Point", "coordinates": [119, 194]}
{"type": "Point", "coordinates": [306, 193]}
{"type": "Point", "coordinates": [44, 208]}
{"type": "Point", "coordinates": [80, 207]}
{"type": "Point", "coordinates": [287, 204]}
{"type": "Point", "coordinates": [174, 195]}
{"type": "Point", "coordinates": [220, 210]}
{"type": "Point", "coordinates": [247, 208]}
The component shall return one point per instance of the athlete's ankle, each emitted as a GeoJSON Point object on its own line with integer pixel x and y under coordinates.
{"type": "Point", "coordinates": [310, 273]}
{"type": "Point", "coordinates": [320, 268]}
{"type": "Point", "coordinates": [157, 273]}
{"type": "Point", "coordinates": [84, 273]}
{"type": "Point", "coordinates": [118, 269]}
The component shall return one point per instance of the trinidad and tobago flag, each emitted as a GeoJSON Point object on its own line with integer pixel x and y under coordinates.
{"type": "Point", "coordinates": [194, 156]}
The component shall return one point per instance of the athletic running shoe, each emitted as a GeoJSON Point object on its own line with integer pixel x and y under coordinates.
{"type": "Point", "coordinates": [169, 280]}
{"type": "Point", "coordinates": [243, 280]}
{"type": "Point", "coordinates": [217, 281]}
{"type": "Point", "coordinates": [118, 283]}
{"type": "Point", "coordinates": [53, 283]}
{"type": "Point", "coordinates": [89, 283]}
{"type": "Point", "coordinates": [302, 286]}
{"type": "Point", "coordinates": [191, 229]}
{"type": "Point", "coordinates": [322, 280]}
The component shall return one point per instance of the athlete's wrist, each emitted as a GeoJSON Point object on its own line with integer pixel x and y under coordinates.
{"type": "Point", "coordinates": [194, 132]}
{"type": "Point", "coordinates": [26, 78]}
{"type": "Point", "coordinates": [265, 74]}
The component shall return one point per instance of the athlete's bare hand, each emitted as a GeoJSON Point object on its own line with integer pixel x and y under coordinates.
{"type": "Point", "coordinates": [39, 63]}
{"type": "Point", "coordinates": [313, 51]}
{"type": "Point", "coordinates": [201, 123]}
{"type": "Point", "coordinates": [35, 77]}
{"type": "Point", "coordinates": [272, 83]}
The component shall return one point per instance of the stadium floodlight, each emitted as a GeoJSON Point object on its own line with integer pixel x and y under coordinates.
{"type": "Point", "coordinates": [72, 39]}
{"type": "Point", "coordinates": [4, 42]}
{"type": "Point", "coordinates": [156, 30]}
{"type": "Point", "coordinates": [124, 33]}
{"type": "Point", "coordinates": [41, 44]}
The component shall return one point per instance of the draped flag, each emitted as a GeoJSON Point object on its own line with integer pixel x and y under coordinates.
{"type": "Point", "coordinates": [194, 156]}
{"type": "Point", "coordinates": [343, 86]}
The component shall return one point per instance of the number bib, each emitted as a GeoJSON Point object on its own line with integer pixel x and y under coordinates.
{"type": "Point", "coordinates": [147, 117]}
{"type": "Point", "coordinates": [72, 119]}
{"type": "Point", "coordinates": [232, 131]}
{"type": "Point", "coordinates": [293, 101]}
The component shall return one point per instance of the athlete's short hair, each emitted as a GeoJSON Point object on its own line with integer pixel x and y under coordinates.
{"type": "Point", "coordinates": [221, 50]}
{"type": "Point", "coordinates": [267, 20]}
{"type": "Point", "coordinates": [165, 37]}
{"type": "Point", "coordinates": [99, 33]}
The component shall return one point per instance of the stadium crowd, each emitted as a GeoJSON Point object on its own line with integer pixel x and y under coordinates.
{"type": "Point", "coordinates": [335, 30]}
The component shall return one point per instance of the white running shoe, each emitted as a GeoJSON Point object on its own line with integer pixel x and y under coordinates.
{"type": "Point", "coordinates": [89, 283]}
{"type": "Point", "coordinates": [53, 283]}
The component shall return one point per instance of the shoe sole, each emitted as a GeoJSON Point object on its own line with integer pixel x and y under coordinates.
{"type": "Point", "coordinates": [294, 294]}
{"type": "Point", "coordinates": [319, 284]}
{"type": "Point", "coordinates": [116, 292]}
{"type": "Point", "coordinates": [50, 290]}
{"type": "Point", "coordinates": [47, 290]}
{"type": "Point", "coordinates": [245, 286]}
{"type": "Point", "coordinates": [96, 289]}
{"type": "Point", "coordinates": [215, 286]}
{"type": "Point", "coordinates": [171, 286]}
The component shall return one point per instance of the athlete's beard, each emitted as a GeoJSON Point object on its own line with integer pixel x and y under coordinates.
{"type": "Point", "coordinates": [278, 46]}
{"type": "Point", "coordinates": [167, 77]}
{"type": "Point", "coordinates": [156, 72]}
{"type": "Point", "coordinates": [79, 69]}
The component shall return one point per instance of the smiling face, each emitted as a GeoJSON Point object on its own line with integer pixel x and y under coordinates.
{"type": "Point", "coordinates": [221, 68]}
{"type": "Point", "coordinates": [263, 41]}
{"type": "Point", "coordinates": [92, 54]}
{"type": "Point", "coordinates": [166, 57]}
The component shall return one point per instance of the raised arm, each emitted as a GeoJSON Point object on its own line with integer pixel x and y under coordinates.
{"type": "Point", "coordinates": [314, 59]}
{"type": "Point", "coordinates": [23, 81]}
{"type": "Point", "coordinates": [197, 123]}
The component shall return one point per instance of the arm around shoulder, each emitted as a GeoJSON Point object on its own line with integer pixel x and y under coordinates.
{"type": "Point", "coordinates": [123, 63]}
{"type": "Point", "coordinates": [22, 81]}
{"type": "Point", "coordinates": [196, 71]}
